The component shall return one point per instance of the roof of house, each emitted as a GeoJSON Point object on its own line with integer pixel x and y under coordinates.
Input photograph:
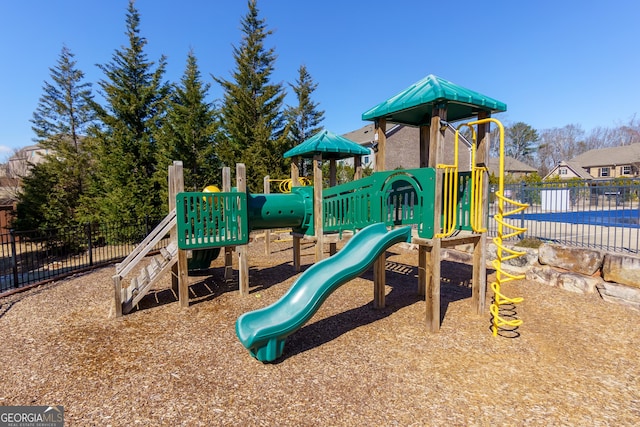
{"type": "Point", "coordinates": [366, 133]}
{"type": "Point", "coordinates": [414, 105]}
{"type": "Point", "coordinates": [575, 168]}
{"type": "Point", "coordinates": [511, 165]}
{"type": "Point", "coordinates": [623, 155]}
{"type": "Point", "coordinates": [332, 146]}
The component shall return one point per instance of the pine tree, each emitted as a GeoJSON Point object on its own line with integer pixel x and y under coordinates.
{"type": "Point", "coordinates": [305, 118]}
{"type": "Point", "coordinates": [189, 133]}
{"type": "Point", "coordinates": [254, 130]}
{"type": "Point", "coordinates": [60, 123]}
{"type": "Point", "coordinates": [125, 144]}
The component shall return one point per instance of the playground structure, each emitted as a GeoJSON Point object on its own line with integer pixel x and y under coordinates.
{"type": "Point", "coordinates": [434, 206]}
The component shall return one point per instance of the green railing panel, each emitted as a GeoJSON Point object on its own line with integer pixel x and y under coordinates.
{"type": "Point", "coordinates": [463, 218]}
{"type": "Point", "coordinates": [349, 206]}
{"type": "Point", "coordinates": [400, 197]}
{"type": "Point", "coordinates": [206, 220]}
{"type": "Point", "coordinates": [407, 197]}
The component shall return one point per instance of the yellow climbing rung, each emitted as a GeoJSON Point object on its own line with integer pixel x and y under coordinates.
{"type": "Point", "coordinates": [449, 193]}
{"type": "Point", "coordinates": [477, 176]}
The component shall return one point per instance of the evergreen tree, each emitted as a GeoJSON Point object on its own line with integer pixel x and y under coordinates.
{"type": "Point", "coordinates": [520, 139]}
{"type": "Point", "coordinates": [305, 118]}
{"type": "Point", "coordinates": [254, 130]}
{"type": "Point", "coordinates": [125, 144]}
{"type": "Point", "coordinates": [189, 132]}
{"type": "Point", "coordinates": [60, 123]}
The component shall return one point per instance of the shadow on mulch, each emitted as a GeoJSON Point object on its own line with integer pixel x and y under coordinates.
{"type": "Point", "coordinates": [402, 278]}
{"type": "Point", "coordinates": [455, 285]}
{"type": "Point", "coordinates": [213, 285]}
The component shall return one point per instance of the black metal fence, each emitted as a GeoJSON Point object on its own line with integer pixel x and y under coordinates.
{"type": "Point", "coordinates": [31, 257]}
{"type": "Point", "coordinates": [597, 214]}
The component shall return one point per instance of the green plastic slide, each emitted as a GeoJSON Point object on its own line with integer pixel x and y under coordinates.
{"type": "Point", "coordinates": [263, 332]}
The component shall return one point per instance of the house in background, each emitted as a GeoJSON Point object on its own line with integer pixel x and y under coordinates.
{"type": "Point", "coordinates": [22, 161]}
{"type": "Point", "coordinates": [568, 170]}
{"type": "Point", "coordinates": [403, 151]}
{"type": "Point", "coordinates": [512, 166]}
{"type": "Point", "coordinates": [403, 147]}
{"type": "Point", "coordinates": [17, 167]}
{"type": "Point", "coordinates": [605, 163]}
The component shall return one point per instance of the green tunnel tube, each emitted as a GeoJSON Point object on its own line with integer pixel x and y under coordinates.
{"type": "Point", "coordinates": [281, 210]}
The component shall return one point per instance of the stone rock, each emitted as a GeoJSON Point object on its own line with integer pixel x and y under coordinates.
{"type": "Point", "coordinates": [620, 294]}
{"type": "Point", "coordinates": [516, 265]}
{"type": "Point", "coordinates": [568, 281]}
{"type": "Point", "coordinates": [622, 269]}
{"type": "Point", "coordinates": [578, 283]}
{"type": "Point", "coordinates": [544, 274]}
{"type": "Point", "coordinates": [579, 260]}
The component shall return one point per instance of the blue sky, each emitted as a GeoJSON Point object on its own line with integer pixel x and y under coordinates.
{"type": "Point", "coordinates": [552, 62]}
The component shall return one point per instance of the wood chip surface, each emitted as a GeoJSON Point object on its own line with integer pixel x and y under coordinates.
{"type": "Point", "coordinates": [573, 362]}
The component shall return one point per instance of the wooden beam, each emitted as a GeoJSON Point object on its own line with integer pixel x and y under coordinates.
{"type": "Point", "coordinates": [333, 180]}
{"type": "Point", "coordinates": [297, 249]}
{"type": "Point", "coordinates": [183, 266]}
{"type": "Point", "coordinates": [173, 236]}
{"type": "Point", "coordinates": [424, 146]}
{"type": "Point", "coordinates": [267, 233]}
{"type": "Point", "coordinates": [117, 289]}
{"type": "Point", "coordinates": [242, 250]}
{"type": "Point", "coordinates": [479, 279]}
{"type": "Point", "coordinates": [317, 206]}
{"type": "Point", "coordinates": [228, 251]}
{"type": "Point", "coordinates": [357, 168]}
{"type": "Point", "coordinates": [380, 131]}
{"type": "Point", "coordinates": [295, 171]}
{"type": "Point", "coordinates": [295, 182]}
{"type": "Point", "coordinates": [436, 148]}
{"type": "Point", "coordinates": [379, 281]}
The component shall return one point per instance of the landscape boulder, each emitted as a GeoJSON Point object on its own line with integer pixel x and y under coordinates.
{"type": "Point", "coordinates": [578, 260]}
{"type": "Point", "coordinates": [622, 269]}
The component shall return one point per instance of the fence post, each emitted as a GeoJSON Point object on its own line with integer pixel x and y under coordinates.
{"type": "Point", "coordinates": [89, 242]}
{"type": "Point", "coordinates": [523, 199]}
{"type": "Point", "coordinates": [14, 258]}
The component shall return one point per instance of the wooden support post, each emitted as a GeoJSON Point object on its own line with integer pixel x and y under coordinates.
{"type": "Point", "coordinates": [379, 278]}
{"type": "Point", "coordinates": [333, 180]}
{"type": "Point", "coordinates": [295, 182]}
{"type": "Point", "coordinates": [381, 127]}
{"type": "Point", "coordinates": [317, 206]}
{"type": "Point", "coordinates": [267, 233]}
{"type": "Point", "coordinates": [173, 236]}
{"type": "Point", "coordinates": [357, 168]}
{"type": "Point", "coordinates": [436, 145]}
{"type": "Point", "coordinates": [297, 252]}
{"type": "Point", "coordinates": [424, 146]}
{"type": "Point", "coordinates": [295, 171]}
{"type": "Point", "coordinates": [117, 288]}
{"type": "Point", "coordinates": [379, 281]}
{"type": "Point", "coordinates": [424, 269]}
{"type": "Point", "coordinates": [243, 262]}
{"type": "Point", "coordinates": [228, 251]}
{"type": "Point", "coordinates": [183, 266]}
{"type": "Point", "coordinates": [479, 279]}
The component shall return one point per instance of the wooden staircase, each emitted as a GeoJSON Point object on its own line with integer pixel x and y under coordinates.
{"type": "Point", "coordinates": [129, 295]}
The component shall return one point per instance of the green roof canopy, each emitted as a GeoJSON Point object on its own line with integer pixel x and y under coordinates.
{"type": "Point", "coordinates": [414, 105]}
{"type": "Point", "coordinates": [330, 145]}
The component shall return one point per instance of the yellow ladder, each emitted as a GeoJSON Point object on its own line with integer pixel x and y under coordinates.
{"type": "Point", "coordinates": [505, 230]}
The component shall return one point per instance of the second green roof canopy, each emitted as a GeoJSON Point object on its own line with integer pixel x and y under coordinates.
{"type": "Point", "coordinates": [414, 105]}
{"type": "Point", "coordinates": [330, 145]}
